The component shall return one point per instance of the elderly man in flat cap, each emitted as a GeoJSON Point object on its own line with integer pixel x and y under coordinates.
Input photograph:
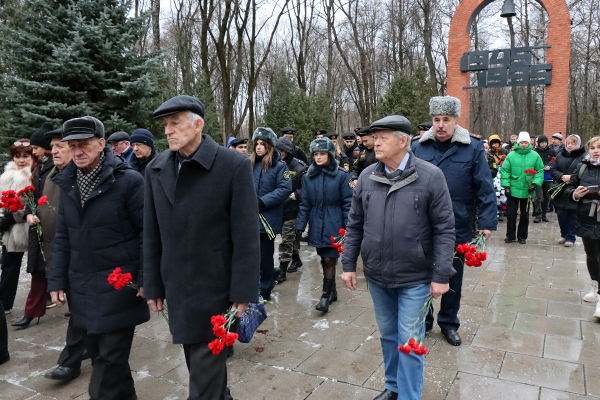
{"type": "Point", "coordinates": [201, 239]}
{"type": "Point", "coordinates": [100, 218]}
{"type": "Point", "coordinates": [120, 143]}
{"type": "Point", "coordinates": [460, 155]}
{"type": "Point", "coordinates": [401, 223]}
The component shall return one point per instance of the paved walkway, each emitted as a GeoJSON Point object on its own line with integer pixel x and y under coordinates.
{"type": "Point", "coordinates": [526, 336]}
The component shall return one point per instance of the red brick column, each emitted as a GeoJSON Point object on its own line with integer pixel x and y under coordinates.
{"type": "Point", "coordinates": [559, 38]}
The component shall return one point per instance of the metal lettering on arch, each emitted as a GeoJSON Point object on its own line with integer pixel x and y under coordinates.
{"type": "Point", "coordinates": [506, 67]}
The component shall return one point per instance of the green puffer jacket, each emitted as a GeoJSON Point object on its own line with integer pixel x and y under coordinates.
{"type": "Point", "coordinates": [513, 171]}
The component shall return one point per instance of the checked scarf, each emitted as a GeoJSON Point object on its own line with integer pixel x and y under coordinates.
{"type": "Point", "coordinates": [87, 182]}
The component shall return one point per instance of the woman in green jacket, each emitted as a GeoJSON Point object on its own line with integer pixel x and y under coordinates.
{"type": "Point", "coordinates": [519, 185]}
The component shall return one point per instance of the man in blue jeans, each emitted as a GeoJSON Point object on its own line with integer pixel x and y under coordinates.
{"type": "Point", "coordinates": [401, 222]}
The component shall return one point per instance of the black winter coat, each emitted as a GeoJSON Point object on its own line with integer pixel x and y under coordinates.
{"type": "Point", "coordinates": [588, 223]}
{"type": "Point", "coordinates": [35, 260]}
{"type": "Point", "coordinates": [403, 230]}
{"type": "Point", "coordinates": [91, 241]}
{"type": "Point", "coordinates": [326, 200]}
{"type": "Point", "coordinates": [352, 152]}
{"type": "Point", "coordinates": [201, 238]}
{"type": "Point", "coordinates": [547, 155]}
{"type": "Point", "coordinates": [565, 164]}
{"type": "Point", "coordinates": [299, 154]}
{"type": "Point", "coordinates": [297, 169]}
{"type": "Point", "coordinates": [140, 165]}
{"type": "Point", "coordinates": [344, 161]}
{"type": "Point", "coordinates": [365, 158]}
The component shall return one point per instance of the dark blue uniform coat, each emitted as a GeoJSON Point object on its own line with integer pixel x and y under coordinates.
{"type": "Point", "coordinates": [273, 187]}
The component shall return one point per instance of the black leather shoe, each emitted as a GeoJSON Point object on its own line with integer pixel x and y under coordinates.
{"type": "Point", "coordinates": [428, 327]}
{"type": "Point", "coordinates": [24, 323]}
{"type": "Point", "coordinates": [68, 314]}
{"type": "Point", "coordinates": [61, 373]}
{"type": "Point", "coordinates": [544, 218]}
{"type": "Point", "coordinates": [507, 240]}
{"type": "Point", "coordinates": [387, 394]}
{"type": "Point", "coordinates": [4, 358]}
{"type": "Point", "coordinates": [452, 337]}
{"type": "Point", "coordinates": [522, 241]}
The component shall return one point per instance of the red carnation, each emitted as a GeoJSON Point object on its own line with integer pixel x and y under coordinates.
{"type": "Point", "coordinates": [218, 320]}
{"type": "Point", "coordinates": [43, 200]}
{"type": "Point", "coordinates": [332, 239]}
{"type": "Point", "coordinates": [340, 249]}
{"type": "Point", "coordinates": [13, 208]}
{"type": "Point", "coordinates": [230, 338]}
{"type": "Point", "coordinates": [216, 346]}
{"type": "Point", "coordinates": [219, 330]}
{"type": "Point", "coordinates": [342, 232]}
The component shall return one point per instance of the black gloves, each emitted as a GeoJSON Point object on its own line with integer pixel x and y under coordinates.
{"type": "Point", "coordinates": [261, 205]}
{"type": "Point", "coordinates": [6, 222]}
{"type": "Point", "coordinates": [507, 191]}
{"type": "Point", "coordinates": [299, 233]}
{"type": "Point", "coordinates": [532, 188]}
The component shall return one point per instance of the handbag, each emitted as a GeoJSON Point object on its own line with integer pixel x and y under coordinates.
{"type": "Point", "coordinates": [251, 319]}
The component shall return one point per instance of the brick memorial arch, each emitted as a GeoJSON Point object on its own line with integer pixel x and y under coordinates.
{"type": "Point", "coordinates": [557, 58]}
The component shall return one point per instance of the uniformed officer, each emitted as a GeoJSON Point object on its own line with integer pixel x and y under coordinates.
{"type": "Point", "coordinates": [424, 127]}
{"type": "Point", "coordinates": [289, 248]}
{"type": "Point", "coordinates": [320, 133]}
{"type": "Point", "coordinates": [350, 146]}
{"type": "Point", "coordinates": [238, 144]}
{"type": "Point", "coordinates": [367, 155]}
{"type": "Point", "coordinates": [341, 157]}
{"type": "Point", "coordinates": [288, 131]}
{"type": "Point", "coordinates": [460, 155]}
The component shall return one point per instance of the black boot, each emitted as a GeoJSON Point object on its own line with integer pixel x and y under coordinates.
{"type": "Point", "coordinates": [280, 273]}
{"type": "Point", "coordinates": [326, 297]}
{"type": "Point", "coordinates": [295, 264]}
{"type": "Point", "coordinates": [24, 323]}
{"type": "Point", "coordinates": [333, 296]}
{"type": "Point", "coordinates": [544, 218]}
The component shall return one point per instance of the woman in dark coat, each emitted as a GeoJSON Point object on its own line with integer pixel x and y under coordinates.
{"type": "Point", "coordinates": [273, 186]}
{"type": "Point", "coordinates": [326, 198]}
{"type": "Point", "coordinates": [562, 171]}
{"type": "Point", "coordinates": [37, 299]}
{"type": "Point", "coordinates": [584, 188]}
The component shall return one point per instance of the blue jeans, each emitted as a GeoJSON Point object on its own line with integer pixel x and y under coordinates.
{"type": "Point", "coordinates": [396, 311]}
{"type": "Point", "coordinates": [567, 220]}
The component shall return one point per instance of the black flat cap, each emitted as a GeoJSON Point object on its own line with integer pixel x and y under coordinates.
{"type": "Point", "coordinates": [287, 130]}
{"type": "Point", "coordinates": [332, 135]}
{"type": "Point", "coordinates": [179, 104]}
{"type": "Point", "coordinates": [349, 135]}
{"type": "Point", "coordinates": [393, 123]}
{"type": "Point", "coordinates": [425, 126]}
{"type": "Point", "coordinates": [364, 131]}
{"type": "Point", "coordinates": [55, 133]}
{"type": "Point", "coordinates": [117, 137]}
{"type": "Point", "coordinates": [238, 141]}
{"type": "Point", "coordinates": [321, 132]}
{"type": "Point", "coordinates": [82, 128]}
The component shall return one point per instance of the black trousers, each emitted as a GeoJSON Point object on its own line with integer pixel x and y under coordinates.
{"type": "Point", "coordinates": [208, 372]}
{"type": "Point", "coordinates": [542, 200]}
{"type": "Point", "coordinates": [267, 266]}
{"type": "Point", "coordinates": [111, 376]}
{"type": "Point", "coordinates": [71, 355]}
{"type": "Point", "coordinates": [9, 279]}
{"type": "Point", "coordinates": [512, 206]}
{"type": "Point", "coordinates": [3, 332]}
{"type": "Point", "coordinates": [592, 253]}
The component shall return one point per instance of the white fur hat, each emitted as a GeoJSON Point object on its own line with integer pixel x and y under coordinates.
{"type": "Point", "coordinates": [523, 137]}
{"type": "Point", "coordinates": [444, 105]}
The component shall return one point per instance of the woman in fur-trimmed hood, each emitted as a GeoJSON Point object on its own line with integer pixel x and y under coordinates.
{"type": "Point", "coordinates": [17, 175]}
{"type": "Point", "coordinates": [326, 199]}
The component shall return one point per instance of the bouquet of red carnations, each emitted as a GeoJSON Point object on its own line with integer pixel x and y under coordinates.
{"type": "Point", "coordinates": [414, 344]}
{"type": "Point", "coordinates": [474, 252]}
{"type": "Point", "coordinates": [338, 242]}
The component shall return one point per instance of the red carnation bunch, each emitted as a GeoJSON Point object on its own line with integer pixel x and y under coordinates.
{"type": "Point", "coordinates": [415, 347]}
{"type": "Point", "coordinates": [11, 201]}
{"type": "Point", "coordinates": [43, 200]}
{"type": "Point", "coordinates": [119, 280]}
{"type": "Point", "coordinates": [474, 252]}
{"type": "Point", "coordinates": [553, 159]}
{"type": "Point", "coordinates": [339, 245]}
{"type": "Point", "coordinates": [221, 325]}
{"type": "Point", "coordinates": [531, 171]}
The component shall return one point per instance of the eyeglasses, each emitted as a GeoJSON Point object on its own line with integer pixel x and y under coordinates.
{"type": "Point", "coordinates": [22, 144]}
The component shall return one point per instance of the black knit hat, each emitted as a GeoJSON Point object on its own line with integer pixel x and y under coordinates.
{"type": "Point", "coordinates": [542, 138]}
{"type": "Point", "coordinates": [38, 137]}
{"type": "Point", "coordinates": [143, 136]}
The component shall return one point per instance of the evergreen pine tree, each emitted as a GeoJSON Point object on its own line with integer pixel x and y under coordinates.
{"type": "Point", "coordinates": [408, 95]}
{"type": "Point", "coordinates": [70, 58]}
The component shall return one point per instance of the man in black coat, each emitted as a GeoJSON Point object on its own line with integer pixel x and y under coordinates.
{"type": "Point", "coordinates": [289, 248]}
{"type": "Point", "coordinates": [99, 229]}
{"type": "Point", "coordinates": [142, 142]}
{"type": "Point", "coordinates": [201, 239]}
{"type": "Point", "coordinates": [289, 132]}
{"type": "Point", "coordinates": [366, 156]}
{"type": "Point", "coordinates": [542, 198]}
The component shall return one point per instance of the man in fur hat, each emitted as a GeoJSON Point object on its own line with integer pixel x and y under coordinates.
{"type": "Point", "coordinates": [461, 157]}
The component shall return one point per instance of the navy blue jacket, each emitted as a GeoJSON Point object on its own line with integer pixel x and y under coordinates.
{"type": "Point", "coordinates": [91, 241]}
{"type": "Point", "coordinates": [326, 200]}
{"type": "Point", "coordinates": [273, 187]}
{"type": "Point", "coordinates": [468, 176]}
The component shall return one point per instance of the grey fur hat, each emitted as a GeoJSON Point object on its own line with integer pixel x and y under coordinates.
{"type": "Point", "coordinates": [266, 135]}
{"type": "Point", "coordinates": [444, 105]}
{"type": "Point", "coordinates": [323, 144]}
